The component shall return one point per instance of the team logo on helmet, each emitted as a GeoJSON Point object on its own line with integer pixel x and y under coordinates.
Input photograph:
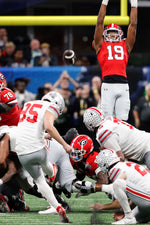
{"type": "Point", "coordinates": [83, 142]}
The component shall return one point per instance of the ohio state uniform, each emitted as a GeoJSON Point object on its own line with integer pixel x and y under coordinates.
{"type": "Point", "coordinates": [10, 118]}
{"type": "Point", "coordinates": [119, 135]}
{"type": "Point", "coordinates": [87, 167]}
{"type": "Point", "coordinates": [137, 181]}
{"type": "Point", "coordinates": [31, 122]}
{"type": "Point", "coordinates": [58, 156]}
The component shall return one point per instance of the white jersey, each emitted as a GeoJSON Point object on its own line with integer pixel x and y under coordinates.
{"type": "Point", "coordinates": [135, 173]}
{"type": "Point", "coordinates": [11, 131]}
{"type": "Point", "coordinates": [132, 142]}
{"type": "Point", "coordinates": [60, 157]}
{"type": "Point", "coordinates": [30, 132]}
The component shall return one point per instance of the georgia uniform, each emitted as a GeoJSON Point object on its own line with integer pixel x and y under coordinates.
{"type": "Point", "coordinates": [86, 167]}
{"type": "Point", "coordinates": [119, 135]}
{"type": "Point", "coordinates": [58, 156]}
{"type": "Point", "coordinates": [10, 118]}
{"type": "Point", "coordinates": [113, 58]}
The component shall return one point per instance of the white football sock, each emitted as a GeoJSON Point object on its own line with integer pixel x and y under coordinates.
{"type": "Point", "coordinates": [46, 191]}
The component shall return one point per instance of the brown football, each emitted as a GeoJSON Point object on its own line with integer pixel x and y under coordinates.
{"type": "Point", "coordinates": [69, 57]}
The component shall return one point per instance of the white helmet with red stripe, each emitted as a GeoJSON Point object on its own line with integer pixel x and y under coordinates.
{"type": "Point", "coordinates": [92, 118]}
{"type": "Point", "coordinates": [56, 98]}
{"type": "Point", "coordinates": [112, 33]}
{"type": "Point", "coordinates": [105, 159]}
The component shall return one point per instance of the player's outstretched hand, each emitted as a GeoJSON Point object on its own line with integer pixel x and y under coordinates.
{"type": "Point", "coordinates": [85, 188]}
{"type": "Point", "coordinates": [97, 207]}
{"type": "Point", "coordinates": [47, 136]}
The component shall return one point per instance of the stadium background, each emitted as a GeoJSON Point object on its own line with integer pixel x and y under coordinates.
{"type": "Point", "coordinates": [78, 38]}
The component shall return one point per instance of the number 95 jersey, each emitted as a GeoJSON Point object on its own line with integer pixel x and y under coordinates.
{"type": "Point", "coordinates": [113, 58]}
{"type": "Point", "coordinates": [30, 132]}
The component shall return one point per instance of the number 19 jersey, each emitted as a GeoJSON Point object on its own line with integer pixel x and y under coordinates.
{"type": "Point", "coordinates": [113, 58]}
{"type": "Point", "coordinates": [30, 132]}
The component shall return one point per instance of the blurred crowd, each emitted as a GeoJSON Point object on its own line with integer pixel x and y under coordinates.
{"type": "Point", "coordinates": [82, 96]}
{"type": "Point", "coordinates": [14, 53]}
{"type": "Point", "coordinates": [76, 100]}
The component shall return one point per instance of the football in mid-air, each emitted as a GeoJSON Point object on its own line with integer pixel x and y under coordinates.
{"type": "Point", "coordinates": [69, 57]}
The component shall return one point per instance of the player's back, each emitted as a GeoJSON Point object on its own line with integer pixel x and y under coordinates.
{"type": "Point", "coordinates": [30, 133]}
{"type": "Point", "coordinates": [131, 140]}
{"type": "Point", "coordinates": [135, 174]}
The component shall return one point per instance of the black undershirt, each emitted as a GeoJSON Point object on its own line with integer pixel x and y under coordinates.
{"type": "Point", "coordinates": [115, 79]}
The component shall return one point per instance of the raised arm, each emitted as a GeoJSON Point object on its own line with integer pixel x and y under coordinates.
{"type": "Point", "coordinates": [98, 35]}
{"type": "Point", "coordinates": [131, 33]}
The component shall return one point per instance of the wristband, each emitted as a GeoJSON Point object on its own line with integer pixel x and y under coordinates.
{"type": "Point", "coordinates": [134, 3]}
{"type": "Point", "coordinates": [1, 182]}
{"type": "Point", "coordinates": [105, 2]}
{"type": "Point", "coordinates": [95, 91]}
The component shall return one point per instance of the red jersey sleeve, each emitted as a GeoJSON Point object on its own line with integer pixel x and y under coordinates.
{"type": "Point", "coordinates": [7, 96]}
{"type": "Point", "coordinates": [91, 162]}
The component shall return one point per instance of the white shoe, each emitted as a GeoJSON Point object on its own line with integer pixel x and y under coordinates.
{"type": "Point", "coordinates": [126, 220]}
{"type": "Point", "coordinates": [50, 210]}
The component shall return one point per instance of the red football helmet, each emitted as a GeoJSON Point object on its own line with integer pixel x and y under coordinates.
{"type": "Point", "coordinates": [81, 145]}
{"type": "Point", "coordinates": [117, 33]}
{"type": "Point", "coordinates": [2, 81]}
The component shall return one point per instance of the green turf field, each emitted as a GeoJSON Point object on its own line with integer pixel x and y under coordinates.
{"type": "Point", "coordinates": [80, 214]}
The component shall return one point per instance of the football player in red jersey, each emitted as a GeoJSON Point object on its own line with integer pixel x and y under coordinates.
{"type": "Point", "coordinates": [113, 53]}
{"type": "Point", "coordinates": [83, 158]}
{"type": "Point", "coordinates": [9, 110]}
